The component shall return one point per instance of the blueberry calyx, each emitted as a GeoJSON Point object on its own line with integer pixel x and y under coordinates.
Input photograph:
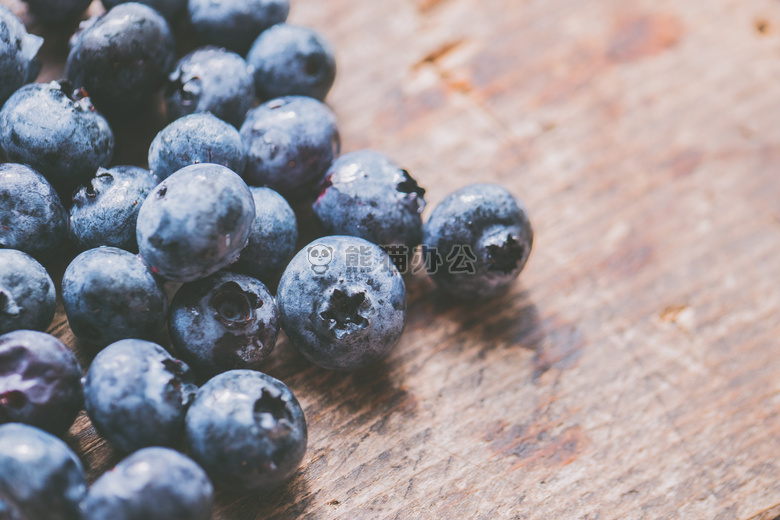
{"type": "Point", "coordinates": [182, 381]}
{"type": "Point", "coordinates": [272, 414]}
{"type": "Point", "coordinates": [234, 307]}
{"type": "Point", "coordinates": [271, 404]}
{"type": "Point", "coordinates": [81, 100]}
{"type": "Point", "coordinates": [8, 304]}
{"type": "Point", "coordinates": [78, 96]}
{"type": "Point", "coordinates": [189, 90]}
{"type": "Point", "coordinates": [104, 174]}
{"type": "Point", "coordinates": [11, 396]}
{"type": "Point", "coordinates": [64, 86]}
{"type": "Point", "coordinates": [412, 190]}
{"type": "Point", "coordinates": [507, 256]}
{"type": "Point", "coordinates": [175, 367]}
{"type": "Point", "coordinates": [409, 185]}
{"type": "Point", "coordinates": [342, 313]}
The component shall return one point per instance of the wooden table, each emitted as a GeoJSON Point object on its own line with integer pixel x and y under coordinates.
{"type": "Point", "coordinates": [632, 372]}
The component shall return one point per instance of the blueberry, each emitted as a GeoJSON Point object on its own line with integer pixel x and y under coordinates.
{"type": "Point", "coordinates": [151, 484]}
{"type": "Point", "coordinates": [195, 222]}
{"type": "Point", "coordinates": [170, 9]}
{"type": "Point", "coordinates": [247, 430]}
{"type": "Point", "coordinates": [290, 142]}
{"type": "Point", "coordinates": [365, 194]}
{"type": "Point", "coordinates": [55, 12]}
{"type": "Point", "coordinates": [27, 295]}
{"type": "Point", "coordinates": [273, 238]}
{"type": "Point", "coordinates": [18, 64]}
{"type": "Point", "coordinates": [40, 477]}
{"type": "Point", "coordinates": [342, 302]}
{"type": "Point", "coordinates": [290, 60]}
{"type": "Point", "coordinates": [32, 218]}
{"type": "Point", "coordinates": [56, 131]}
{"type": "Point", "coordinates": [105, 209]}
{"type": "Point", "coordinates": [235, 24]}
{"type": "Point", "coordinates": [123, 58]}
{"type": "Point", "coordinates": [194, 139]}
{"type": "Point", "coordinates": [136, 395]}
{"type": "Point", "coordinates": [211, 80]}
{"type": "Point", "coordinates": [479, 239]}
{"type": "Point", "coordinates": [223, 322]}
{"type": "Point", "coordinates": [110, 295]}
{"type": "Point", "coordinates": [40, 381]}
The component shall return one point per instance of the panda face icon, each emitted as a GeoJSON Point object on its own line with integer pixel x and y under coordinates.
{"type": "Point", "coordinates": [319, 257]}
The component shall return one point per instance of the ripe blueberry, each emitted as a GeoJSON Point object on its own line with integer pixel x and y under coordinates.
{"type": "Point", "coordinates": [109, 295]}
{"type": "Point", "coordinates": [194, 139]}
{"type": "Point", "coordinates": [57, 131]}
{"type": "Point", "coordinates": [123, 58]}
{"type": "Point", "coordinates": [151, 484]}
{"type": "Point", "coordinates": [18, 64]}
{"type": "Point", "coordinates": [290, 142]}
{"type": "Point", "coordinates": [55, 12]}
{"type": "Point", "coordinates": [247, 430]}
{"type": "Point", "coordinates": [40, 477]}
{"type": "Point", "coordinates": [342, 302]}
{"type": "Point", "coordinates": [170, 9]}
{"type": "Point", "coordinates": [365, 194]}
{"type": "Point", "coordinates": [105, 209]}
{"type": "Point", "coordinates": [223, 322]}
{"type": "Point", "coordinates": [211, 80]}
{"type": "Point", "coordinates": [273, 238]}
{"type": "Point", "coordinates": [40, 381]}
{"type": "Point", "coordinates": [195, 222]}
{"type": "Point", "coordinates": [234, 24]}
{"type": "Point", "coordinates": [481, 237]}
{"type": "Point", "coordinates": [136, 394]}
{"type": "Point", "coordinates": [290, 60]}
{"type": "Point", "coordinates": [32, 218]}
{"type": "Point", "coordinates": [27, 294]}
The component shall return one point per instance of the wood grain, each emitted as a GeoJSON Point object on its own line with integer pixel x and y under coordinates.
{"type": "Point", "coordinates": [632, 372]}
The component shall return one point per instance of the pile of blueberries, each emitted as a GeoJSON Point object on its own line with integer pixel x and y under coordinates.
{"type": "Point", "coordinates": [212, 218]}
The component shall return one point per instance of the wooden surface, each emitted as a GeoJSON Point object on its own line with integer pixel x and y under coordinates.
{"type": "Point", "coordinates": [632, 372]}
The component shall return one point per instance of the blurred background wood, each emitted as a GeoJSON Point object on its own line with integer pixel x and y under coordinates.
{"type": "Point", "coordinates": [632, 371]}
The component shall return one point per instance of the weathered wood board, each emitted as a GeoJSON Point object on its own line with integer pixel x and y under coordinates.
{"type": "Point", "coordinates": [632, 372]}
